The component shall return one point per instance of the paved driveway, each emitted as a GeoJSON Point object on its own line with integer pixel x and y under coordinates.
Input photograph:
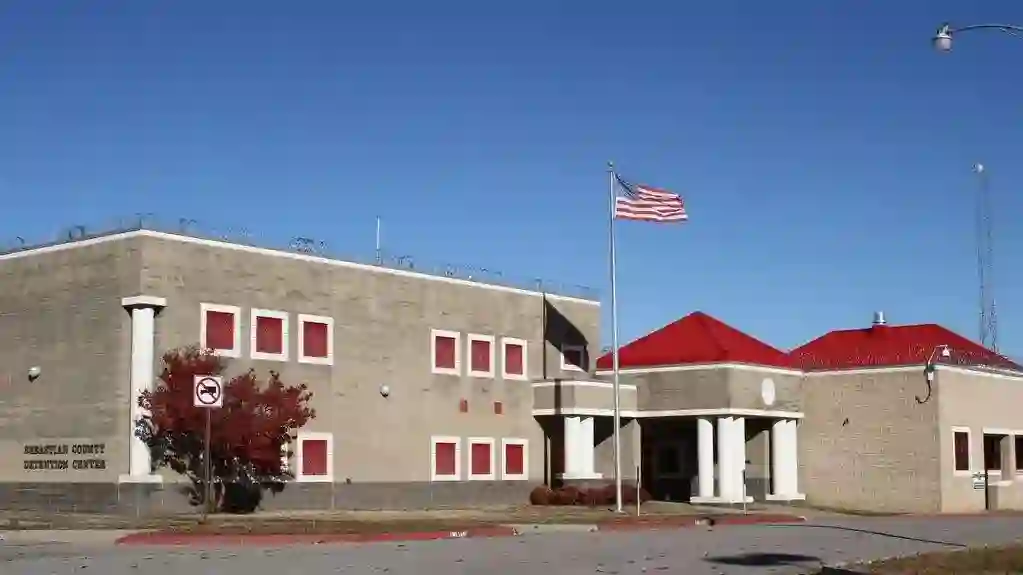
{"type": "Point", "coordinates": [752, 549]}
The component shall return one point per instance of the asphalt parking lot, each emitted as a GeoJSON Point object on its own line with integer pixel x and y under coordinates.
{"type": "Point", "coordinates": [789, 548]}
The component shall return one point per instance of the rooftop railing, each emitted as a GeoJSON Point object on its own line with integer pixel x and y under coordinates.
{"type": "Point", "coordinates": [304, 245]}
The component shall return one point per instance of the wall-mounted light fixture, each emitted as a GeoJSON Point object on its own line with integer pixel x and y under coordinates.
{"type": "Point", "coordinates": [34, 372]}
{"type": "Point", "coordinates": [385, 390]}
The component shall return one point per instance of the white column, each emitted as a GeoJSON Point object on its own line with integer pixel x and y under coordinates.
{"type": "Point", "coordinates": [739, 451]}
{"type": "Point", "coordinates": [726, 459]}
{"type": "Point", "coordinates": [586, 446]}
{"type": "Point", "coordinates": [791, 459]}
{"type": "Point", "coordinates": [579, 449]}
{"type": "Point", "coordinates": [142, 375]}
{"type": "Point", "coordinates": [143, 332]}
{"type": "Point", "coordinates": [779, 467]}
{"type": "Point", "coordinates": [705, 456]}
{"type": "Point", "coordinates": [785, 460]}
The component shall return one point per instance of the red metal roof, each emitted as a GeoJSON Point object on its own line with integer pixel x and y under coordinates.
{"type": "Point", "coordinates": [885, 345]}
{"type": "Point", "coordinates": [694, 339]}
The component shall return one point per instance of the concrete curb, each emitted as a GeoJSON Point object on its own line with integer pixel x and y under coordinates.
{"type": "Point", "coordinates": [198, 539]}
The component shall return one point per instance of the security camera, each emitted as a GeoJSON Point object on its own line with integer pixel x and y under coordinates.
{"type": "Point", "coordinates": [34, 372]}
{"type": "Point", "coordinates": [385, 390]}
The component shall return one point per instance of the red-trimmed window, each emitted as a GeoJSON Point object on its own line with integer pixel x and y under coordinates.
{"type": "Point", "coordinates": [514, 358]}
{"type": "Point", "coordinates": [481, 355]}
{"type": "Point", "coordinates": [445, 356]}
{"type": "Point", "coordinates": [219, 330]}
{"type": "Point", "coordinates": [316, 339]}
{"type": "Point", "coordinates": [514, 459]}
{"type": "Point", "coordinates": [481, 458]}
{"type": "Point", "coordinates": [445, 459]}
{"type": "Point", "coordinates": [269, 335]}
{"type": "Point", "coordinates": [444, 349]}
{"type": "Point", "coordinates": [220, 327]}
{"type": "Point", "coordinates": [315, 456]}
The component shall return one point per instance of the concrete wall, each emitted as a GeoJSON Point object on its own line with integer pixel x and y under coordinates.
{"type": "Point", "coordinates": [979, 403]}
{"type": "Point", "coordinates": [382, 331]}
{"type": "Point", "coordinates": [746, 385]}
{"type": "Point", "coordinates": [60, 310]}
{"type": "Point", "coordinates": [686, 389]}
{"type": "Point", "coordinates": [867, 444]}
{"type": "Point", "coordinates": [714, 387]}
{"type": "Point", "coordinates": [564, 395]}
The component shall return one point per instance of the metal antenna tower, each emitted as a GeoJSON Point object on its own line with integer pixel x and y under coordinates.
{"type": "Point", "coordinates": [985, 264]}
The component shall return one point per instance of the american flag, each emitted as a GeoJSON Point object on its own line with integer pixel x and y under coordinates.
{"type": "Point", "coordinates": [646, 204]}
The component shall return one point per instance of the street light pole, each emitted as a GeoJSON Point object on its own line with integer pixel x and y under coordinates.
{"type": "Point", "coordinates": [942, 39]}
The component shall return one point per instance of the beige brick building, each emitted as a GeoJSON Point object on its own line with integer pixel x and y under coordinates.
{"type": "Point", "coordinates": [434, 390]}
{"type": "Point", "coordinates": [883, 418]}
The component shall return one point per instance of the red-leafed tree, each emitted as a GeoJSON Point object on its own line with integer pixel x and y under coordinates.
{"type": "Point", "coordinates": [249, 434]}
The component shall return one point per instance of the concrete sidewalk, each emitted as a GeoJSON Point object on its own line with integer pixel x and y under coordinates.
{"type": "Point", "coordinates": [78, 537]}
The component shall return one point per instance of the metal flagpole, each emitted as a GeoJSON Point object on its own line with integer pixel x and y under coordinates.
{"type": "Point", "coordinates": [379, 258]}
{"type": "Point", "coordinates": [614, 338]}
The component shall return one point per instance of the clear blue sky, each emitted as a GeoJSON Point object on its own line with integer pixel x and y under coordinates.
{"type": "Point", "coordinates": [823, 148]}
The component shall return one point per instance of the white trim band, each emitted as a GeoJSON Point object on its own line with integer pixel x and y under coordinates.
{"type": "Point", "coordinates": [583, 383]}
{"type": "Point", "coordinates": [725, 411]}
{"type": "Point", "coordinates": [144, 301]}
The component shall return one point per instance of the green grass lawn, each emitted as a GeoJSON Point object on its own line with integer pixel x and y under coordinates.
{"type": "Point", "coordinates": [981, 561]}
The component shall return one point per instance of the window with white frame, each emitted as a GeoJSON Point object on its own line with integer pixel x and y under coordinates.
{"type": "Point", "coordinates": [481, 355]}
{"type": "Point", "coordinates": [445, 458]}
{"type": "Point", "coordinates": [315, 339]}
{"type": "Point", "coordinates": [314, 457]}
{"type": "Point", "coordinates": [573, 357]}
{"type": "Point", "coordinates": [220, 329]}
{"type": "Point", "coordinates": [514, 459]}
{"type": "Point", "coordinates": [268, 335]}
{"type": "Point", "coordinates": [445, 352]}
{"type": "Point", "coordinates": [962, 451]}
{"type": "Point", "coordinates": [513, 358]}
{"type": "Point", "coordinates": [481, 458]}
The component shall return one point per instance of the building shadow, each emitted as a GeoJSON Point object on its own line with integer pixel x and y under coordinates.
{"type": "Point", "coordinates": [774, 560]}
{"type": "Point", "coordinates": [559, 331]}
{"type": "Point", "coordinates": [765, 560]}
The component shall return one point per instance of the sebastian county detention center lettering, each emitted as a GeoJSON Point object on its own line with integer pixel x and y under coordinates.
{"type": "Point", "coordinates": [76, 449]}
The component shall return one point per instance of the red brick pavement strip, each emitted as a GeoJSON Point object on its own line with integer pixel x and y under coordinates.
{"type": "Point", "coordinates": [256, 540]}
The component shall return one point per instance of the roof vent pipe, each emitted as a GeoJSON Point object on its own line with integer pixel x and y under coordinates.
{"type": "Point", "coordinates": [879, 318]}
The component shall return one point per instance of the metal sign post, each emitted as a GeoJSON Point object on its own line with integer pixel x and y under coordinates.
{"type": "Point", "coordinates": [744, 491]}
{"type": "Point", "coordinates": [639, 486]}
{"type": "Point", "coordinates": [207, 394]}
